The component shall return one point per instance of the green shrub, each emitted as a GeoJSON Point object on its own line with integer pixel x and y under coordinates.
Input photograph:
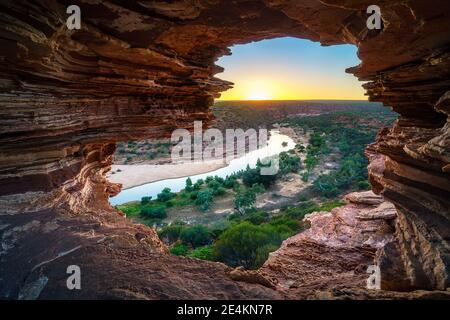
{"type": "Point", "coordinates": [244, 199]}
{"type": "Point", "coordinates": [196, 236]}
{"type": "Point", "coordinates": [209, 179]}
{"type": "Point", "coordinates": [171, 233]}
{"type": "Point", "coordinates": [219, 191]}
{"type": "Point", "coordinates": [257, 217]}
{"type": "Point", "coordinates": [213, 184]}
{"type": "Point", "coordinates": [146, 200]}
{"type": "Point", "coordinates": [302, 209]}
{"type": "Point", "coordinates": [165, 195]}
{"type": "Point", "coordinates": [330, 205]}
{"type": "Point", "coordinates": [189, 185]}
{"type": "Point", "coordinates": [219, 179]}
{"type": "Point", "coordinates": [239, 244]}
{"type": "Point", "coordinates": [235, 217]}
{"type": "Point", "coordinates": [179, 249]}
{"type": "Point", "coordinates": [204, 199]}
{"type": "Point", "coordinates": [254, 176]}
{"type": "Point", "coordinates": [305, 176]}
{"type": "Point", "coordinates": [170, 204]}
{"type": "Point", "coordinates": [204, 253]}
{"type": "Point", "coordinates": [285, 225]}
{"type": "Point", "coordinates": [300, 148]}
{"type": "Point", "coordinates": [302, 198]}
{"type": "Point", "coordinates": [193, 195]}
{"type": "Point", "coordinates": [288, 163]}
{"type": "Point", "coordinates": [230, 182]}
{"type": "Point", "coordinates": [198, 185]}
{"type": "Point", "coordinates": [153, 212]}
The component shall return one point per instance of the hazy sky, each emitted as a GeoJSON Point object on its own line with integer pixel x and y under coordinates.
{"type": "Point", "coordinates": [289, 69]}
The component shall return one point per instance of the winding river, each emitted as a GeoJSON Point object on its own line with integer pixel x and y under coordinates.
{"type": "Point", "coordinates": [274, 146]}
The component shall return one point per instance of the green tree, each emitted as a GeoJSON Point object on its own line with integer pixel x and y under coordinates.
{"type": "Point", "coordinates": [165, 195]}
{"type": "Point", "coordinates": [188, 187]}
{"type": "Point", "coordinates": [196, 236]}
{"type": "Point", "coordinates": [254, 176]}
{"type": "Point", "coordinates": [145, 200]}
{"type": "Point", "coordinates": [230, 182]}
{"type": "Point", "coordinates": [214, 185]}
{"type": "Point", "coordinates": [204, 199]}
{"type": "Point", "coordinates": [197, 186]}
{"type": "Point", "coordinates": [219, 191]}
{"type": "Point", "coordinates": [240, 245]}
{"type": "Point", "coordinates": [209, 179]}
{"type": "Point", "coordinates": [289, 163]}
{"type": "Point", "coordinates": [244, 199]}
{"type": "Point", "coordinates": [219, 179]}
{"type": "Point", "coordinates": [153, 212]}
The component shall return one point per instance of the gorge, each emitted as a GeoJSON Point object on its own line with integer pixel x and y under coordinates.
{"type": "Point", "coordinates": [139, 70]}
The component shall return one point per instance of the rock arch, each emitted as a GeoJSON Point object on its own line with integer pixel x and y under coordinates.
{"type": "Point", "coordinates": [139, 69]}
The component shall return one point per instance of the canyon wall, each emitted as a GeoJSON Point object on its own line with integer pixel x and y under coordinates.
{"type": "Point", "coordinates": [139, 69]}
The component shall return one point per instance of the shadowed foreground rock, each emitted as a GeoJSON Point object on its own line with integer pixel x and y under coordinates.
{"type": "Point", "coordinates": [331, 258]}
{"type": "Point", "coordinates": [120, 260]}
{"type": "Point", "coordinates": [138, 70]}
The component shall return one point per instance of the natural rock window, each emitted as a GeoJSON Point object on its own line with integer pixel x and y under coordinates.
{"type": "Point", "coordinates": [137, 71]}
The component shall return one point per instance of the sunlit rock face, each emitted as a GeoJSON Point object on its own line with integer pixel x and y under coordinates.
{"type": "Point", "coordinates": [335, 251]}
{"type": "Point", "coordinates": [140, 69]}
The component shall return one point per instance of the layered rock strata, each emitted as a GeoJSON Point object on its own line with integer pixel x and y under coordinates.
{"type": "Point", "coordinates": [337, 249]}
{"type": "Point", "coordinates": [331, 259]}
{"type": "Point", "coordinates": [138, 70]}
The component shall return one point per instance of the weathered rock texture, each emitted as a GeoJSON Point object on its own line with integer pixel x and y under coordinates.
{"type": "Point", "coordinates": [335, 251]}
{"type": "Point", "coordinates": [331, 258]}
{"type": "Point", "coordinates": [139, 69]}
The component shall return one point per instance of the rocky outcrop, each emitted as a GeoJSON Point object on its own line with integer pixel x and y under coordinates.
{"type": "Point", "coordinates": [137, 70]}
{"type": "Point", "coordinates": [411, 173]}
{"type": "Point", "coordinates": [335, 252]}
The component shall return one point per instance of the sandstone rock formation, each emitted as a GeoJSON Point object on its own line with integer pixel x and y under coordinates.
{"type": "Point", "coordinates": [335, 251]}
{"type": "Point", "coordinates": [138, 70]}
{"type": "Point", "coordinates": [330, 260]}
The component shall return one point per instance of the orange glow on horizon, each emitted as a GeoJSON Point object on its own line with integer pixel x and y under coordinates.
{"type": "Point", "coordinates": [296, 89]}
{"type": "Point", "coordinates": [290, 69]}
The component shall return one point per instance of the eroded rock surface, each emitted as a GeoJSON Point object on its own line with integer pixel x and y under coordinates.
{"type": "Point", "coordinates": [138, 70]}
{"type": "Point", "coordinates": [335, 251]}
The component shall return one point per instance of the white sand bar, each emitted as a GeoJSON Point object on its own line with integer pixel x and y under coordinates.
{"type": "Point", "coordinates": [138, 174]}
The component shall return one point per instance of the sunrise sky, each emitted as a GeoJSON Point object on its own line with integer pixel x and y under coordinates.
{"type": "Point", "coordinates": [290, 69]}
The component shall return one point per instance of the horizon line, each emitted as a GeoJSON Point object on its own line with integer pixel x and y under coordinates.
{"type": "Point", "coordinates": [228, 100]}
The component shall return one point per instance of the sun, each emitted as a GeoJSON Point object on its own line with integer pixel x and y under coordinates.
{"type": "Point", "coordinates": [259, 94]}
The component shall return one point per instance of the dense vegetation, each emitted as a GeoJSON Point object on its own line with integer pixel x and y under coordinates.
{"type": "Point", "coordinates": [244, 186]}
{"type": "Point", "coordinates": [246, 240]}
{"type": "Point", "coordinates": [347, 134]}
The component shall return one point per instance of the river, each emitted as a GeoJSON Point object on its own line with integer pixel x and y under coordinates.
{"type": "Point", "coordinates": [274, 146]}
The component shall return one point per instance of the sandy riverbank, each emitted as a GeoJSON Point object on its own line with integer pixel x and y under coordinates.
{"type": "Point", "coordinates": [138, 174]}
{"type": "Point", "coordinates": [134, 175]}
